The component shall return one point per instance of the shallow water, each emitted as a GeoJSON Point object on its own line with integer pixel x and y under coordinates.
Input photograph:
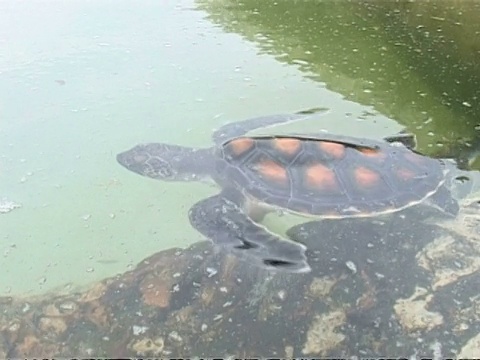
{"type": "Point", "coordinates": [83, 81]}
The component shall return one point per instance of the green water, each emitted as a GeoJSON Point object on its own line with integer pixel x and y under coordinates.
{"type": "Point", "coordinates": [82, 81]}
{"type": "Point", "coordinates": [413, 61]}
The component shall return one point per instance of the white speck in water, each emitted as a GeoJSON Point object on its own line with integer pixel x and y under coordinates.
{"type": "Point", "coordinates": [26, 307]}
{"type": "Point", "coordinates": [7, 206]}
{"type": "Point", "coordinates": [67, 306]}
{"type": "Point", "coordinates": [351, 266]}
{"type": "Point", "coordinates": [174, 336]}
{"type": "Point", "coordinates": [90, 269]}
{"type": "Point", "coordinates": [139, 330]}
{"type": "Point", "coordinates": [211, 271]}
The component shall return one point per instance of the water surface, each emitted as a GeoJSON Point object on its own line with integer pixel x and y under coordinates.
{"type": "Point", "coordinates": [85, 81]}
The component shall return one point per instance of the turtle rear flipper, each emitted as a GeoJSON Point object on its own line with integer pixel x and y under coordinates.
{"type": "Point", "coordinates": [225, 223]}
{"type": "Point", "coordinates": [406, 139]}
{"type": "Point", "coordinates": [443, 201]}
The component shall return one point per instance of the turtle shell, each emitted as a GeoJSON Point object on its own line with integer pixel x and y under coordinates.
{"type": "Point", "coordinates": [326, 177]}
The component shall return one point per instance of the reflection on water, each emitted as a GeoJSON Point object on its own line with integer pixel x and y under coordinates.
{"type": "Point", "coordinates": [88, 80]}
{"type": "Point", "coordinates": [411, 61]}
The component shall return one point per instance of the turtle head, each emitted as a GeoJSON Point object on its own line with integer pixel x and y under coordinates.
{"type": "Point", "coordinates": [166, 162]}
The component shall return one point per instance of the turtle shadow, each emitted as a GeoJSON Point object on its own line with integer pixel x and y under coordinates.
{"type": "Point", "coordinates": [384, 248]}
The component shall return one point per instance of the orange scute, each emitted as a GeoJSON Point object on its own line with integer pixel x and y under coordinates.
{"type": "Point", "coordinates": [320, 176]}
{"type": "Point", "coordinates": [405, 174]}
{"type": "Point", "coordinates": [288, 146]}
{"type": "Point", "coordinates": [370, 151]}
{"type": "Point", "coordinates": [334, 149]}
{"type": "Point", "coordinates": [366, 177]}
{"type": "Point", "coordinates": [272, 171]}
{"type": "Point", "coordinates": [241, 145]}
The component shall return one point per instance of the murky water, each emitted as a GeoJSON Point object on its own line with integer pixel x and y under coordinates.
{"type": "Point", "coordinates": [83, 81]}
{"type": "Point", "coordinates": [78, 86]}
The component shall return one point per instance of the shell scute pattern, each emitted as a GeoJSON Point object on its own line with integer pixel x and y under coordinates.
{"type": "Point", "coordinates": [327, 178]}
{"type": "Point", "coordinates": [287, 146]}
{"type": "Point", "coordinates": [335, 150]}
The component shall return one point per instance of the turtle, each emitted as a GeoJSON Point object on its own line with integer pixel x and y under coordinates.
{"type": "Point", "coordinates": [320, 175]}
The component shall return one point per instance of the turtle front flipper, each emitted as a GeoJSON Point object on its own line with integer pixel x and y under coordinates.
{"type": "Point", "coordinates": [240, 128]}
{"type": "Point", "coordinates": [225, 224]}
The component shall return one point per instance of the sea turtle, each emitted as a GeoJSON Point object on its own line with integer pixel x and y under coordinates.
{"type": "Point", "coordinates": [324, 176]}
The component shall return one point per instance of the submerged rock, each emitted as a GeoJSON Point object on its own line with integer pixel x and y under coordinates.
{"type": "Point", "coordinates": [202, 301]}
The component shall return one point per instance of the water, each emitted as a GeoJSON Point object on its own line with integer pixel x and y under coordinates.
{"type": "Point", "coordinates": [411, 61]}
{"type": "Point", "coordinates": [79, 86]}
{"type": "Point", "coordinates": [84, 81]}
